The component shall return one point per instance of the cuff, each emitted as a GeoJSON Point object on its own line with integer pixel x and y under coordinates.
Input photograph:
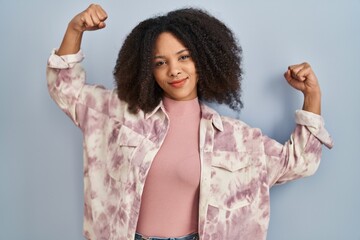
{"type": "Point", "coordinates": [65, 61]}
{"type": "Point", "coordinates": [315, 124]}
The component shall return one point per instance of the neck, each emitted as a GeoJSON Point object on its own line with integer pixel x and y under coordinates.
{"type": "Point", "coordinates": [181, 108]}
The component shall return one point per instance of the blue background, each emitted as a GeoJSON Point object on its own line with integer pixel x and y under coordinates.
{"type": "Point", "coordinates": [41, 150]}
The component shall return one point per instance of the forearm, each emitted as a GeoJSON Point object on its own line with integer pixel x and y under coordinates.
{"type": "Point", "coordinates": [71, 42]}
{"type": "Point", "coordinates": [312, 102]}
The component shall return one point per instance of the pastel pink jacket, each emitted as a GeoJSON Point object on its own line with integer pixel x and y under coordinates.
{"type": "Point", "coordinates": [238, 163]}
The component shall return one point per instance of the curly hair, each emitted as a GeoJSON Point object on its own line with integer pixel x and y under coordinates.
{"type": "Point", "coordinates": [211, 44]}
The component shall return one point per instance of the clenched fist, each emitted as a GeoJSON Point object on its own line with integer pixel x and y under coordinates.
{"type": "Point", "coordinates": [93, 18]}
{"type": "Point", "coordinates": [302, 78]}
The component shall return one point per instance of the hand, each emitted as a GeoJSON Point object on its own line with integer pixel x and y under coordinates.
{"type": "Point", "coordinates": [302, 78]}
{"type": "Point", "coordinates": [93, 18]}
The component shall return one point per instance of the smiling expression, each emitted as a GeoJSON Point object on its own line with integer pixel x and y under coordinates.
{"type": "Point", "coordinates": [174, 69]}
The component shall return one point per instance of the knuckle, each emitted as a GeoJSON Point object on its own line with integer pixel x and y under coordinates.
{"type": "Point", "coordinates": [87, 11]}
{"type": "Point", "coordinates": [91, 8]}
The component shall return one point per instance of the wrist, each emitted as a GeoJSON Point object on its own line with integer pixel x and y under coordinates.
{"type": "Point", "coordinates": [312, 102]}
{"type": "Point", "coordinates": [74, 28]}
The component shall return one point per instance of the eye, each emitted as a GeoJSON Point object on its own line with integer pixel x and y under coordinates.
{"type": "Point", "coordinates": [159, 63]}
{"type": "Point", "coordinates": [184, 57]}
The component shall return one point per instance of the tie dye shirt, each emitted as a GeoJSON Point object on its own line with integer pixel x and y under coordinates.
{"type": "Point", "coordinates": [238, 163]}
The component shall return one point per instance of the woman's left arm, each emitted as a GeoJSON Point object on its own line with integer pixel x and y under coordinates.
{"type": "Point", "coordinates": [300, 155]}
{"type": "Point", "coordinates": [302, 77]}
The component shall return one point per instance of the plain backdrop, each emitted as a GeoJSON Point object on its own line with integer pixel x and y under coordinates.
{"type": "Point", "coordinates": [41, 188]}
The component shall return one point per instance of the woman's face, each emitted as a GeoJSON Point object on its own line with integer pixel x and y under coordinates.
{"type": "Point", "coordinates": [174, 69]}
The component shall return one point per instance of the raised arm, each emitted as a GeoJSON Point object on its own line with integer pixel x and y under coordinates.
{"type": "Point", "coordinates": [93, 18]}
{"type": "Point", "coordinates": [300, 155]}
{"type": "Point", "coordinates": [302, 78]}
{"type": "Point", "coordinates": [66, 77]}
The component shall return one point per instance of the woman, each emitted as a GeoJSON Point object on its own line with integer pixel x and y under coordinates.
{"type": "Point", "coordinates": [159, 164]}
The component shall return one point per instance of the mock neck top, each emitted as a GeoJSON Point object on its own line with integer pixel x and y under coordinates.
{"type": "Point", "coordinates": [181, 108]}
{"type": "Point", "coordinates": [170, 200]}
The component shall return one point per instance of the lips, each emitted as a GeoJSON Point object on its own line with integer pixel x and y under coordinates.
{"type": "Point", "coordinates": [178, 83]}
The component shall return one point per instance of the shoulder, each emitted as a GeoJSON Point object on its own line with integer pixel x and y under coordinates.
{"type": "Point", "coordinates": [100, 100]}
{"type": "Point", "coordinates": [238, 136]}
{"type": "Point", "coordinates": [233, 134]}
{"type": "Point", "coordinates": [233, 124]}
{"type": "Point", "coordinates": [239, 129]}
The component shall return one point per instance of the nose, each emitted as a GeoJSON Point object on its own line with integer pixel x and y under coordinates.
{"type": "Point", "coordinates": [174, 69]}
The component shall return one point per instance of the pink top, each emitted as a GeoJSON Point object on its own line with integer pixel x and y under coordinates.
{"type": "Point", "coordinates": [170, 201]}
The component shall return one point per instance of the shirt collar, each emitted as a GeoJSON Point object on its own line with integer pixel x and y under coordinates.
{"type": "Point", "coordinates": [159, 106]}
{"type": "Point", "coordinates": [206, 113]}
{"type": "Point", "coordinates": [210, 114]}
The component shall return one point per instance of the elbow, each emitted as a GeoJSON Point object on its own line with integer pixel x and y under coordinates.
{"type": "Point", "coordinates": [312, 168]}
{"type": "Point", "coordinates": [51, 77]}
{"type": "Point", "coordinates": [312, 156]}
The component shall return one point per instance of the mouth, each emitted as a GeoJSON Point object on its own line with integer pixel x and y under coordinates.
{"type": "Point", "coordinates": [178, 82]}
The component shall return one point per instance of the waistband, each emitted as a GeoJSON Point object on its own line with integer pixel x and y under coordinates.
{"type": "Point", "coordinates": [193, 236]}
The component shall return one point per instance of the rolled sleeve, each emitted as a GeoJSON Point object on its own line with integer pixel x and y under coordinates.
{"type": "Point", "coordinates": [65, 61]}
{"type": "Point", "coordinates": [315, 124]}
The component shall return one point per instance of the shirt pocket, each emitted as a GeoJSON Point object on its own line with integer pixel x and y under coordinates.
{"type": "Point", "coordinates": [121, 150]}
{"type": "Point", "coordinates": [233, 180]}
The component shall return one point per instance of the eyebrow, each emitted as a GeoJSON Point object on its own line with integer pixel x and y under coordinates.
{"type": "Point", "coordinates": [177, 53]}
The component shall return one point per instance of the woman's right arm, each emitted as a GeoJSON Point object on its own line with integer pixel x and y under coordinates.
{"type": "Point", "coordinates": [65, 76]}
{"type": "Point", "coordinates": [93, 18]}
